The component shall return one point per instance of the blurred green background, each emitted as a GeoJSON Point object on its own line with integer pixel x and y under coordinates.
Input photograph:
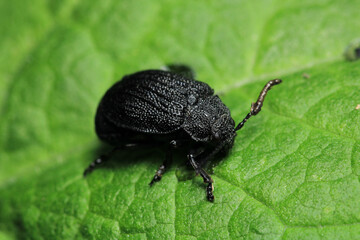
{"type": "Point", "coordinates": [292, 174]}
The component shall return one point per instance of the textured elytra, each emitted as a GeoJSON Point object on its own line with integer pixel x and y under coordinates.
{"type": "Point", "coordinates": [151, 101]}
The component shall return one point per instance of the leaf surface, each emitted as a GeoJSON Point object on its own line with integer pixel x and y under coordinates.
{"type": "Point", "coordinates": [293, 172]}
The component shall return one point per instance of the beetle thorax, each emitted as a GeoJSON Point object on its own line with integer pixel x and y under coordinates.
{"type": "Point", "coordinates": [209, 120]}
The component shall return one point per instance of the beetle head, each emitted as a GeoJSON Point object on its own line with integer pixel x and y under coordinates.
{"type": "Point", "coordinates": [222, 127]}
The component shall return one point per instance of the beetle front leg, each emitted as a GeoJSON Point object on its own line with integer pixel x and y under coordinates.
{"type": "Point", "coordinates": [204, 175]}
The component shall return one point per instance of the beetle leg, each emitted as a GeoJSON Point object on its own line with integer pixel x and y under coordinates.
{"type": "Point", "coordinates": [204, 175]}
{"type": "Point", "coordinates": [103, 158]}
{"type": "Point", "coordinates": [256, 107]}
{"type": "Point", "coordinates": [158, 175]}
{"type": "Point", "coordinates": [181, 69]}
{"type": "Point", "coordinates": [168, 159]}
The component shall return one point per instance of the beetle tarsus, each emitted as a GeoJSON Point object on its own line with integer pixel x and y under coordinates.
{"type": "Point", "coordinates": [209, 192]}
{"type": "Point", "coordinates": [158, 174]}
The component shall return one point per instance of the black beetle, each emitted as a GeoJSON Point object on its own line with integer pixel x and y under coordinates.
{"type": "Point", "coordinates": [161, 107]}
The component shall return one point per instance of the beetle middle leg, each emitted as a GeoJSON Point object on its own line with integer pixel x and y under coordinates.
{"type": "Point", "coordinates": [168, 159]}
{"type": "Point", "coordinates": [206, 177]}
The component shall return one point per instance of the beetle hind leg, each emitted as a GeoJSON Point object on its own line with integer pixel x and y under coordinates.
{"type": "Point", "coordinates": [103, 158]}
{"type": "Point", "coordinates": [97, 162]}
{"type": "Point", "coordinates": [181, 69]}
{"type": "Point", "coordinates": [100, 160]}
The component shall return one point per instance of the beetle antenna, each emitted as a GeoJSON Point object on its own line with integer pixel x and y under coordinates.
{"type": "Point", "coordinates": [256, 107]}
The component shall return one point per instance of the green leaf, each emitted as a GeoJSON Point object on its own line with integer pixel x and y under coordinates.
{"type": "Point", "coordinates": [293, 172]}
